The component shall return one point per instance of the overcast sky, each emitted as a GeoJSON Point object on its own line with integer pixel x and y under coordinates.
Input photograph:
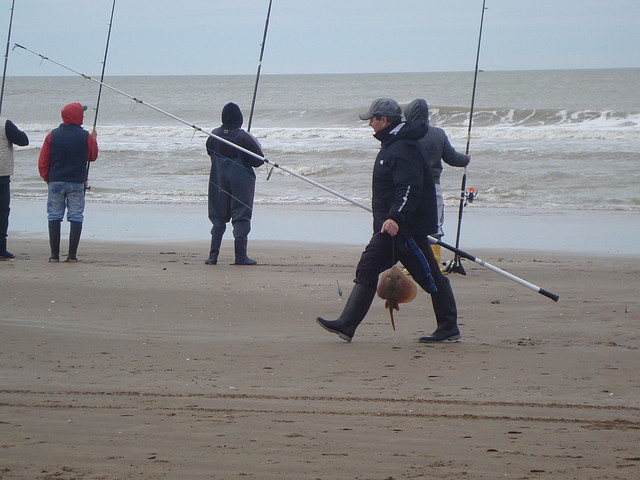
{"type": "Point", "coordinates": [213, 37]}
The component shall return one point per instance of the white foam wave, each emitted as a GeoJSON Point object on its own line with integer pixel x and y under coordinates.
{"type": "Point", "coordinates": [507, 123]}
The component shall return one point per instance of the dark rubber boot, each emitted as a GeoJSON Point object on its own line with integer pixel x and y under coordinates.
{"type": "Point", "coordinates": [74, 241]}
{"type": "Point", "coordinates": [240, 245]}
{"type": "Point", "coordinates": [54, 240]}
{"type": "Point", "coordinates": [4, 253]}
{"type": "Point", "coordinates": [354, 312]}
{"type": "Point", "coordinates": [216, 241]}
{"type": "Point", "coordinates": [444, 306]}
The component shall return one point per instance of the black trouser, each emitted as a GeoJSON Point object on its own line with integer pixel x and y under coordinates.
{"type": "Point", "coordinates": [383, 251]}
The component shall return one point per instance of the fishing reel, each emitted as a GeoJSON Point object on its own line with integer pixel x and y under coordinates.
{"type": "Point", "coordinates": [453, 266]}
{"type": "Point", "coordinates": [469, 196]}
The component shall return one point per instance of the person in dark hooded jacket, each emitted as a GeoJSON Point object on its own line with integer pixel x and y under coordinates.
{"type": "Point", "coordinates": [404, 214]}
{"type": "Point", "coordinates": [438, 148]}
{"type": "Point", "coordinates": [232, 184]}
{"type": "Point", "coordinates": [63, 162]}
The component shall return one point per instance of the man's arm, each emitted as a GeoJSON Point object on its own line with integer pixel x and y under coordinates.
{"type": "Point", "coordinates": [45, 158]}
{"type": "Point", "coordinates": [15, 135]}
{"type": "Point", "coordinates": [453, 157]}
{"type": "Point", "coordinates": [252, 144]}
{"type": "Point", "coordinates": [92, 150]}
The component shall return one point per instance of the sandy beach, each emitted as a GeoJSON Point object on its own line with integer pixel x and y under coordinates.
{"type": "Point", "coordinates": [142, 362]}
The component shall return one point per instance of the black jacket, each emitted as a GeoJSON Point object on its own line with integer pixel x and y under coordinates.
{"type": "Point", "coordinates": [403, 188]}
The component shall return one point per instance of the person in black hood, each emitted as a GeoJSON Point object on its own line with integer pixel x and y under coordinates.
{"type": "Point", "coordinates": [438, 148]}
{"type": "Point", "coordinates": [404, 214]}
{"type": "Point", "coordinates": [232, 184]}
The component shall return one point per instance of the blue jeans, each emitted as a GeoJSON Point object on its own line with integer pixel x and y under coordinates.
{"type": "Point", "coordinates": [65, 195]}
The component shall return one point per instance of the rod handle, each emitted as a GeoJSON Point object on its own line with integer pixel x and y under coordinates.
{"type": "Point", "coordinates": [548, 294]}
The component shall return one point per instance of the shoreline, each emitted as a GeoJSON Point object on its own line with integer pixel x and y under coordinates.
{"type": "Point", "coordinates": [577, 232]}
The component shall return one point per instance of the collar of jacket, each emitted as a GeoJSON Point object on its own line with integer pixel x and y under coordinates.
{"type": "Point", "coordinates": [405, 131]}
{"type": "Point", "coordinates": [388, 132]}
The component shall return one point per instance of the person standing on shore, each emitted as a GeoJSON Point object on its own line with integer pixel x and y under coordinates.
{"type": "Point", "coordinates": [10, 135]}
{"type": "Point", "coordinates": [438, 148]}
{"type": "Point", "coordinates": [232, 184]}
{"type": "Point", "coordinates": [404, 214]}
{"type": "Point", "coordinates": [63, 165]}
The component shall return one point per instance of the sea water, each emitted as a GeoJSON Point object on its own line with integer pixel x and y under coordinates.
{"type": "Point", "coordinates": [541, 141]}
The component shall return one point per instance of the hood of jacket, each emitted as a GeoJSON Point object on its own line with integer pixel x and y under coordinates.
{"type": "Point", "coordinates": [72, 113]}
{"type": "Point", "coordinates": [232, 116]}
{"type": "Point", "coordinates": [404, 130]}
{"type": "Point", "coordinates": [417, 111]}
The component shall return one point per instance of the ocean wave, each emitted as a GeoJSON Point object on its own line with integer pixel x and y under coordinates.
{"type": "Point", "coordinates": [532, 118]}
{"type": "Point", "coordinates": [452, 116]}
{"type": "Point", "coordinates": [487, 123]}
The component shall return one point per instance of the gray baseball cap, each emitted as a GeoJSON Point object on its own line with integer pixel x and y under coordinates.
{"type": "Point", "coordinates": [382, 107]}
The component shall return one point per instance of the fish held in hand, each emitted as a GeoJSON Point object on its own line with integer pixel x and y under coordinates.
{"type": "Point", "coordinates": [394, 287]}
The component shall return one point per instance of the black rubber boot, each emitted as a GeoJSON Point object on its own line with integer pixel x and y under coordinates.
{"type": "Point", "coordinates": [54, 240]}
{"type": "Point", "coordinates": [240, 245]}
{"type": "Point", "coordinates": [354, 312]}
{"type": "Point", "coordinates": [4, 253]}
{"type": "Point", "coordinates": [216, 241]}
{"type": "Point", "coordinates": [444, 306]}
{"type": "Point", "coordinates": [74, 241]}
{"type": "Point", "coordinates": [442, 335]}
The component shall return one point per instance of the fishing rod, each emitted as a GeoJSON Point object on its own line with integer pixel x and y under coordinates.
{"type": "Point", "coordinates": [433, 240]}
{"type": "Point", "coordinates": [455, 265]}
{"type": "Point", "coordinates": [104, 65]}
{"type": "Point", "coordinates": [199, 129]}
{"type": "Point", "coordinates": [6, 55]}
{"type": "Point", "coordinates": [255, 88]}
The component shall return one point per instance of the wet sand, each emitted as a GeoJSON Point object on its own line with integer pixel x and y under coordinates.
{"type": "Point", "coordinates": [142, 362]}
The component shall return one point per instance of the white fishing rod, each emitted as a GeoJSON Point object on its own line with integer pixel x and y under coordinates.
{"type": "Point", "coordinates": [199, 129]}
{"type": "Point", "coordinates": [433, 240]}
{"type": "Point", "coordinates": [6, 55]}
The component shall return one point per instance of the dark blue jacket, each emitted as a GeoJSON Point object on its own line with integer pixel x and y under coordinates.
{"type": "Point", "coordinates": [216, 148]}
{"type": "Point", "coordinates": [229, 156]}
{"type": "Point", "coordinates": [69, 152]}
{"type": "Point", "coordinates": [403, 188]}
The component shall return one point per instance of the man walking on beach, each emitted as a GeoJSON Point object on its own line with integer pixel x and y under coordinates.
{"type": "Point", "coordinates": [438, 148]}
{"type": "Point", "coordinates": [404, 214]}
{"type": "Point", "coordinates": [63, 165]}
{"type": "Point", "coordinates": [232, 184]}
{"type": "Point", "coordinates": [10, 135]}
